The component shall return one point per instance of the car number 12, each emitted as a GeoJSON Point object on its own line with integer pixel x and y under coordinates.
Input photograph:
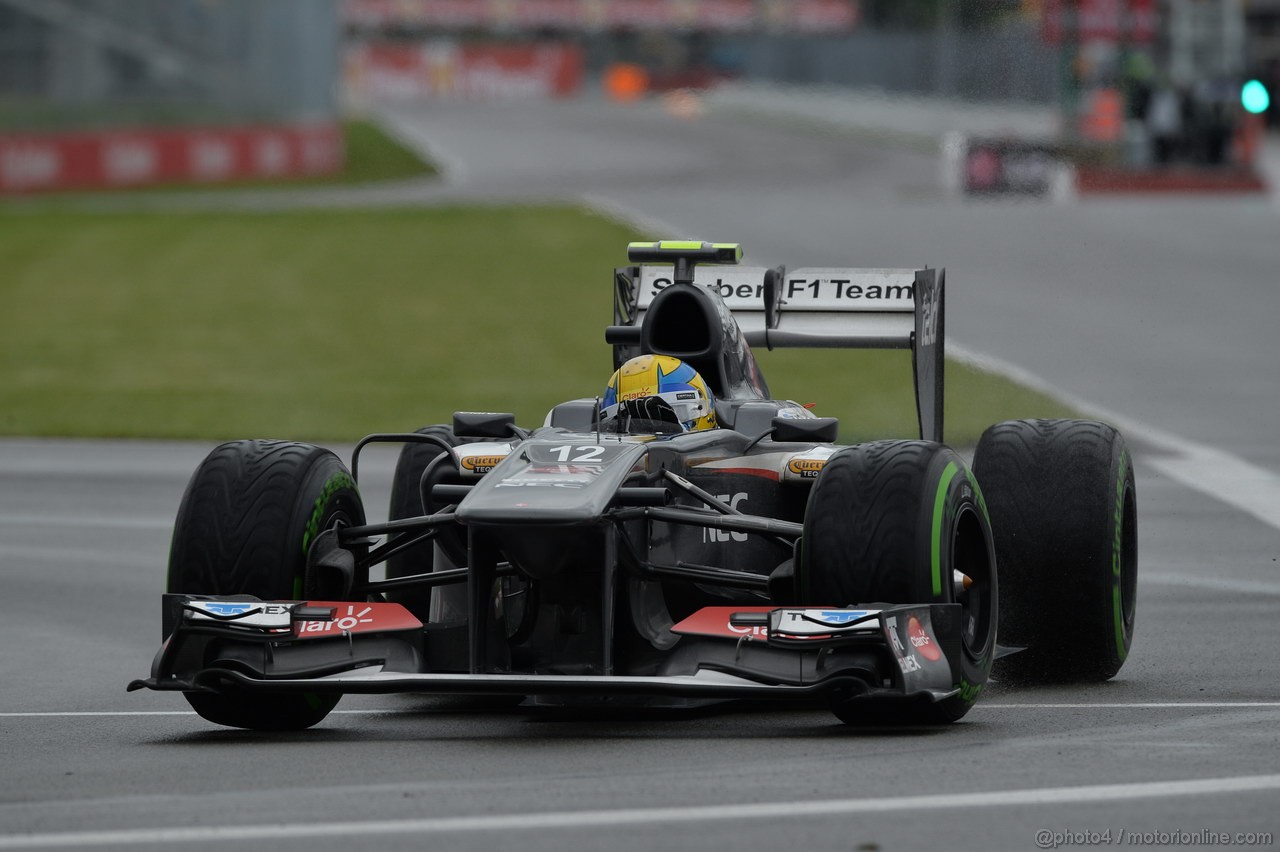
{"type": "Point", "coordinates": [577, 453]}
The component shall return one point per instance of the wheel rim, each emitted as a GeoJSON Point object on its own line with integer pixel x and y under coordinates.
{"type": "Point", "coordinates": [972, 557]}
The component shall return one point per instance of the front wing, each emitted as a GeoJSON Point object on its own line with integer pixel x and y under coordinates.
{"type": "Point", "coordinates": [784, 653]}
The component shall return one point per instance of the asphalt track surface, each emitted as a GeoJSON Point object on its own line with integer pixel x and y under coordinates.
{"type": "Point", "coordinates": [1157, 313]}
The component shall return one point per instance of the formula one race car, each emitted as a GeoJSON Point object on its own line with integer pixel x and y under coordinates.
{"type": "Point", "coordinates": [684, 538]}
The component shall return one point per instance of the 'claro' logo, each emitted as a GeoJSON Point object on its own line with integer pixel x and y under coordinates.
{"type": "Point", "coordinates": [806, 468]}
{"type": "Point", "coordinates": [480, 464]}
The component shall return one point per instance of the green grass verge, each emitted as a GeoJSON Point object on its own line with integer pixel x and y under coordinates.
{"type": "Point", "coordinates": [325, 325]}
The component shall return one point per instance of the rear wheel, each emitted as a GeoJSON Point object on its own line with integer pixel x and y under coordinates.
{"type": "Point", "coordinates": [891, 522]}
{"type": "Point", "coordinates": [249, 514]}
{"type": "Point", "coordinates": [1064, 512]}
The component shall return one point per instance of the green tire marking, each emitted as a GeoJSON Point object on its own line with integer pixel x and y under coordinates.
{"type": "Point", "coordinates": [977, 490]}
{"type": "Point", "coordinates": [1121, 650]}
{"type": "Point", "coordinates": [333, 485]}
{"type": "Point", "coordinates": [948, 474]}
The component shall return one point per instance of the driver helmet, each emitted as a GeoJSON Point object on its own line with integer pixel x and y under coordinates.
{"type": "Point", "coordinates": [657, 393]}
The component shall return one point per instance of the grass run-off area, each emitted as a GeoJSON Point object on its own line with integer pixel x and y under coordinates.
{"type": "Point", "coordinates": [326, 325]}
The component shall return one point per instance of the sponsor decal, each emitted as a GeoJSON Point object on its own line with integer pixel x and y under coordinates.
{"type": "Point", "coordinates": [821, 624]}
{"type": "Point", "coordinates": [349, 621]}
{"type": "Point", "coordinates": [743, 286]}
{"type": "Point", "coordinates": [845, 289]}
{"type": "Point", "coordinates": [264, 616]}
{"type": "Point", "coordinates": [969, 691]}
{"type": "Point", "coordinates": [891, 625]}
{"type": "Point", "coordinates": [548, 483]}
{"type": "Point", "coordinates": [931, 313]}
{"type": "Point", "coordinates": [480, 464]}
{"type": "Point", "coordinates": [817, 289]}
{"type": "Point", "coordinates": [838, 616]}
{"type": "Point", "coordinates": [92, 159]}
{"type": "Point", "coordinates": [921, 641]}
{"type": "Point", "coordinates": [907, 661]}
{"type": "Point", "coordinates": [710, 535]}
{"type": "Point", "coordinates": [715, 621]}
{"type": "Point", "coordinates": [806, 468]}
{"type": "Point", "coordinates": [356, 618]}
{"type": "Point", "coordinates": [226, 609]}
{"type": "Point", "coordinates": [385, 71]}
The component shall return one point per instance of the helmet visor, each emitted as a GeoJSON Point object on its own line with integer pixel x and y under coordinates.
{"type": "Point", "coordinates": [665, 412]}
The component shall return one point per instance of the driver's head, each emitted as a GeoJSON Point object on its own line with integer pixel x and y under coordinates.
{"type": "Point", "coordinates": [657, 393]}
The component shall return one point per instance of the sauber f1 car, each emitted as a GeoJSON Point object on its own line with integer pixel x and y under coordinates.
{"type": "Point", "coordinates": [684, 538]}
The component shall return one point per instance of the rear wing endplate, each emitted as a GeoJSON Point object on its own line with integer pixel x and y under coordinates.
{"type": "Point", "coordinates": [820, 307]}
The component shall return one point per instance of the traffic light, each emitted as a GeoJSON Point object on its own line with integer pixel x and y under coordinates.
{"type": "Point", "coordinates": [1254, 97]}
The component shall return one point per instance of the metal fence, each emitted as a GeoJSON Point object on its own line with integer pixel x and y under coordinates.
{"type": "Point", "coordinates": [157, 61]}
{"type": "Point", "coordinates": [1011, 65]}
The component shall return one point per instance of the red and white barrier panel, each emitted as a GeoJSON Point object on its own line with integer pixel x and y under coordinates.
{"type": "Point", "coordinates": [402, 72]}
{"type": "Point", "coordinates": [112, 159]}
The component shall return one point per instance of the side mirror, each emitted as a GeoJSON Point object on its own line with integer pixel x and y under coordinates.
{"type": "Point", "coordinates": [821, 430]}
{"type": "Point", "coordinates": [483, 424]}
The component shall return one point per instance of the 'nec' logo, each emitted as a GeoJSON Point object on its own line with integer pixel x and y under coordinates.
{"type": "Point", "coordinates": [724, 535]}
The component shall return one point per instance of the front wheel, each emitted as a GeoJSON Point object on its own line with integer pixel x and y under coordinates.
{"type": "Point", "coordinates": [249, 514]}
{"type": "Point", "coordinates": [897, 522]}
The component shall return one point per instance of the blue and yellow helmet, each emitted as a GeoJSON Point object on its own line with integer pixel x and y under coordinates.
{"type": "Point", "coordinates": [650, 390]}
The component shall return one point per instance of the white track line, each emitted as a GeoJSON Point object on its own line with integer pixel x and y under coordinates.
{"type": "Point", "coordinates": [650, 226]}
{"type": "Point", "coordinates": [452, 168]}
{"type": "Point", "coordinates": [1110, 705]}
{"type": "Point", "coordinates": [1136, 705]}
{"type": "Point", "coordinates": [56, 713]}
{"type": "Point", "coordinates": [1245, 587]}
{"type": "Point", "coordinates": [571, 820]}
{"type": "Point", "coordinates": [88, 521]}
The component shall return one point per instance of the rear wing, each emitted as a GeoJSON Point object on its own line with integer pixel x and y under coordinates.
{"type": "Point", "coordinates": [817, 307]}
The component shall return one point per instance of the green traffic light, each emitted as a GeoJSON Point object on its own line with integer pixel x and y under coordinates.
{"type": "Point", "coordinates": [1254, 97]}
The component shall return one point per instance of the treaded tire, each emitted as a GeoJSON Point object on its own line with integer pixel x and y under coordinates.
{"type": "Point", "coordinates": [1064, 511]}
{"type": "Point", "coordinates": [250, 511]}
{"type": "Point", "coordinates": [872, 523]}
{"type": "Point", "coordinates": [406, 502]}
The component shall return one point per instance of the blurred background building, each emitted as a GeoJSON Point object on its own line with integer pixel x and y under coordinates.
{"type": "Point", "coordinates": [115, 93]}
{"type": "Point", "coordinates": [124, 92]}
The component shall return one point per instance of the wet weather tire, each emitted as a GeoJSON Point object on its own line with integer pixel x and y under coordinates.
{"type": "Point", "coordinates": [249, 514]}
{"type": "Point", "coordinates": [889, 522]}
{"type": "Point", "coordinates": [1064, 512]}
